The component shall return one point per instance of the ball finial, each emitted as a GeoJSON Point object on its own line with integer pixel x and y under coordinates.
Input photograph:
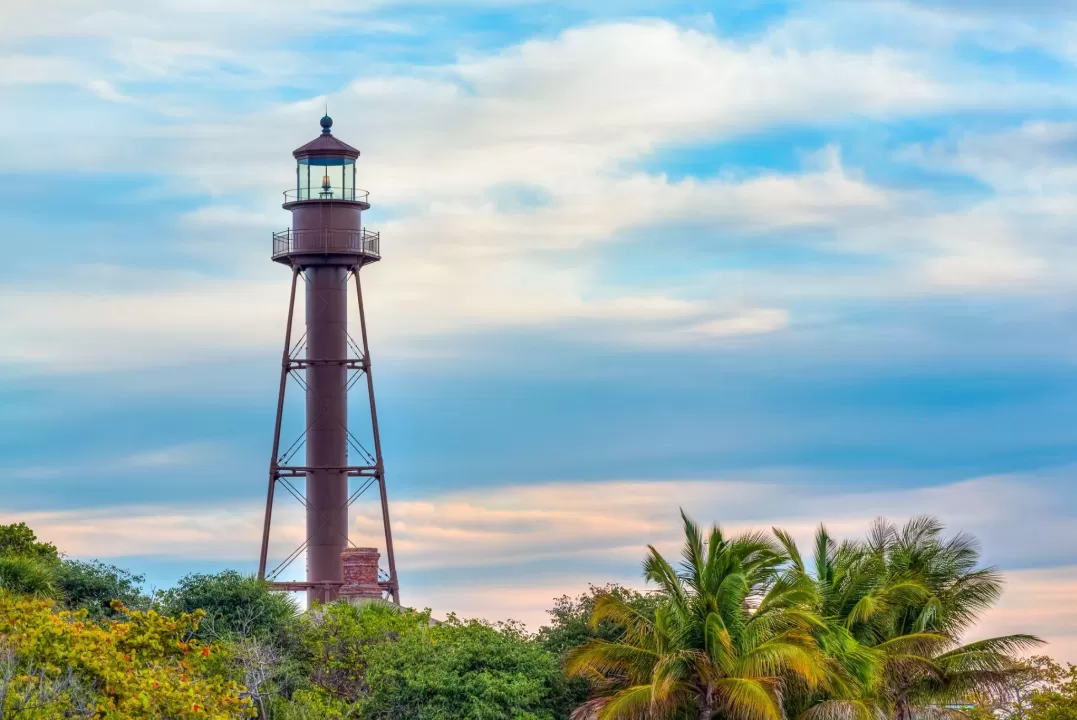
{"type": "Point", "coordinates": [327, 124]}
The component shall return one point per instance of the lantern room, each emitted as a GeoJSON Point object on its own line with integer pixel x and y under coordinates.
{"type": "Point", "coordinates": [325, 170]}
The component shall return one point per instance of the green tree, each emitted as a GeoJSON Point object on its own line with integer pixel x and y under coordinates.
{"type": "Point", "coordinates": [19, 540]}
{"type": "Point", "coordinates": [1056, 697]}
{"type": "Point", "coordinates": [235, 604]}
{"type": "Point", "coordinates": [338, 637]}
{"type": "Point", "coordinates": [94, 585]}
{"type": "Point", "coordinates": [139, 668]}
{"type": "Point", "coordinates": [1011, 700]}
{"type": "Point", "coordinates": [732, 633]}
{"type": "Point", "coordinates": [464, 670]}
{"type": "Point", "coordinates": [570, 626]}
{"type": "Point", "coordinates": [570, 618]}
{"type": "Point", "coordinates": [895, 608]}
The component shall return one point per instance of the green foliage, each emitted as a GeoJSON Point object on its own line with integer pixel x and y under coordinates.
{"type": "Point", "coordinates": [731, 630]}
{"type": "Point", "coordinates": [744, 628]}
{"type": "Point", "coordinates": [26, 575]}
{"type": "Point", "coordinates": [19, 540]}
{"type": "Point", "coordinates": [30, 692]}
{"type": "Point", "coordinates": [894, 608]}
{"type": "Point", "coordinates": [570, 618]}
{"type": "Point", "coordinates": [1056, 696]}
{"type": "Point", "coordinates": [139, 668]}
{"type": "Point", "coordinates": [234, 604]}
{"type": "Point", "coordinates": [312, 705]}
{"type": "Point", "coordinates": [570, 626]}
{"type": "Point", "coordinates": [376, 661]}
{"type": "Point", "coordinates": [338, 637]}
{"type": "Point", "coordinates": [463, 670]}
{"type": "Point", "coordinates": [1039, 689]}
{"type": "Point", "coordinates": [93, 586]}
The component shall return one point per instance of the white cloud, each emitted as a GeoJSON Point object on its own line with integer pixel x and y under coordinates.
{"type": "Point", "coordinates": [986, 267]}
{"type": "Point", "coordinates": [106, 91]}
{"type": "Point", "coordinates": [1020, 235]}
{"type": "Point", "coordinates": [201, 320]}
{"type": "Point", "coordinates": [568, 116]}
{"type": "Point", "coordinates": [1034, 158]}
{"type": "Point", "coordinates": [38, 70]}
{"type": "Point", "coordinates": [935, 28]}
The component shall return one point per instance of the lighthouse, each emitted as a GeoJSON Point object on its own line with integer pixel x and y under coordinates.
{"type": "Point", "coordinates": [328, 468]}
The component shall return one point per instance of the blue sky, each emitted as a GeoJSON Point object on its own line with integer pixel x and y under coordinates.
{"type": "Point", "coordinates": [775, 262]}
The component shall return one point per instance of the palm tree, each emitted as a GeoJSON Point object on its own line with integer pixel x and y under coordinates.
{"type": "Point", "coordinates": [27, 576]}
{"type": "Point", "coordinates": [732, 632]}
{"type": "Point", "coordinates": [895, 608]}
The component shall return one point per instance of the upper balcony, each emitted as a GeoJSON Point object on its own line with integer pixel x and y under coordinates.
{"type": "Point", "coordinates": [362, 246]}
{"type": "Point", "coordinates": [327, 192]}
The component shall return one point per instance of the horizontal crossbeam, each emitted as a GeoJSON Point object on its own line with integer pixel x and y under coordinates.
{"type": "Point", "coordinates": [304, 363]}
{"type": "Point", "coordinates": [319, 584]}
{"type": "Point", "coordinates": [350, 470]}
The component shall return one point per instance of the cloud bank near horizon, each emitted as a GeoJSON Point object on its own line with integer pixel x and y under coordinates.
{"type": "Point", "coordinates": [535, 542]}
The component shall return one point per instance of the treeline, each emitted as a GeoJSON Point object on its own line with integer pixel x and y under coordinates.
{"type": "Point", "coordinates": [744, 627]}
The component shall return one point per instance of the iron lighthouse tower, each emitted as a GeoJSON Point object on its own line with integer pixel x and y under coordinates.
{"type": "Point", "coordinates": [326, 247]}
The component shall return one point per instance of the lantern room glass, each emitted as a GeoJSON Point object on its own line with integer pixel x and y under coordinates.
{"type": "Point", "coordinates": [325, 178]}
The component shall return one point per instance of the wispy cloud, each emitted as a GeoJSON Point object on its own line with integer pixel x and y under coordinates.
{"type": "Point", "coordinates": [172, 456]}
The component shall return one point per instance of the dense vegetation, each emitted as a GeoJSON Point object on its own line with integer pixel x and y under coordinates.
{"type": "Point", "coordinates": [744, 627]}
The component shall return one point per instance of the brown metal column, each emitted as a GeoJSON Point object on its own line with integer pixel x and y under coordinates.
{"type": "Point", "coordinates": [327, 422]}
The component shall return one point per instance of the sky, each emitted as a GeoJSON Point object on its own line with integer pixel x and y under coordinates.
{"type": "Point", "coordinates": [774, 263]}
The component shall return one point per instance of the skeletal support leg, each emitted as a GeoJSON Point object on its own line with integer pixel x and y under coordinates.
{"type": "Point", "coordinates": [393, 580]}
{"type": "Point", "coordinates": [274, 459]}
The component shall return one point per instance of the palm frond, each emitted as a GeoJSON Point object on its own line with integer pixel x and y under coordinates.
{"type": "Point", "coordinates": [788, 653]}
{"type": "Point", "coordinates": [637, 626]}
{"type": "Point", "coordinates": [694, 553]}
{"type": "Point", "coordinates": [718, 642]}
{"type": "Point", "coordinates": [881, 536]}
{"type": "Point", "coordinates": [590, 710]}
{"type": "Point", "coordinates": [750, 698]}
{"type": "Point", "coordinates": [629, 704]}
{"type": "Point", "coordinates": [839, 709]}
{"type": "Point", "coordinates": [1004, 645]}
{"type": "Point", "coordinates": [657, 569]}
{"type": "Point", "coordinates": [925, 644]}
{"type": "Point", "coordinates": [790, 547]}
{"type": "Point", "coordinates": [605, 658]}
{"type": "Point", "coordinates": [675, 671]}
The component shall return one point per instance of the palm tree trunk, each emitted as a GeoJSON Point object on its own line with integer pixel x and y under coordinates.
{"type": "Point", "coordinates": [706, 705]}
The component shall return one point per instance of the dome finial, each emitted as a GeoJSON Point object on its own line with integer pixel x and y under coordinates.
{"type": "Point", "coordinates": [327, 122]}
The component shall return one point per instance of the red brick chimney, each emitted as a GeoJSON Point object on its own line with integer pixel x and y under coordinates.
{"type": "Point", "coordinates": [360, 573]}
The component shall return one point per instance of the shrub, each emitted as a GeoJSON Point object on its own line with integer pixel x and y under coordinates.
{"type": "Point", "coordinates": [94, 585]}
{"type": "Point", "coordinates": [145, 666]}
{"type": "Point", "coordinates": [234, 605]}
{"type": "Point", "coordinates": [27, 576]}
{"type": "Point", "coordinates": [18, 539]}
{"type": "Point", "coordinates": [464, 670]}
{"type": "Point", "coordinates": [338, 637]}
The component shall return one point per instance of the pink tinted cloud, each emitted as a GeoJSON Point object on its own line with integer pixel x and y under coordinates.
{"type": "Point", "coordinates": [492, 535]}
